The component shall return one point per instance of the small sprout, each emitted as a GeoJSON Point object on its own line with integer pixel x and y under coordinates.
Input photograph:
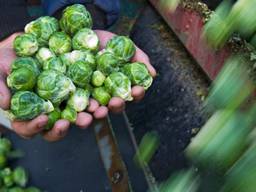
{"type": "Point", "coordinates": [138, 74]}
{"type": "Point", "coordinates": [5, 145]}
{"type": "Point", "coordinates": [107, 63]}
{"type": "Point", "coordinates": [27, 62]}
{"type": "Point", "coordinates": [52, 118]}
{"type": "Point", "coordinates": [101, 95]}
{"type": "Point", "coordinates": [98, 78]}
{"type": "Point", "coordinates": [80, 73]}
{"type": "Point", "coordinates": [3, 160]}
{"type": "Point", "coordinates": [119, 85]}
{"type": "Point", "coordinates": [69, 114]}
{"type": "Point", "coordinates": [122, 47]}
{"type": "Point", "coordinates": [54, 63]}
{"type": "Point", "coordinates": [74, 18]}
{"type": "Point", "coordinates": [79, 100]}
{"type": "Point", "coordinates": [77, 55]}
{"type": "Point", "coordinates": [86, 39]}
{"type": "Point", "coordinates": [44, 54]}
{"type": "Point", "coordinates": [54, 86]}
{"type": "Point", "coordinates": [32, 189]}
{"type": "Point", "coordinates": [60, 43]}
{"type": "Point", "coordinates": [25, 45]}
{"type": "Point", "coordinates": [42, 29]}
{"type": "Point", "coordinates": [27, 105]}
{"type": "Point", "coordinates": [20, 176]}
{"type": "Point", "coordinates": [22, 79]}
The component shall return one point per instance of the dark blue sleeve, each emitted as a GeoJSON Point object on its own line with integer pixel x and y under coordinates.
{"type": "Point", "coordinates": [110, 7]}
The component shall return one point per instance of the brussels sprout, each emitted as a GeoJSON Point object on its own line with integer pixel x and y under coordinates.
{"type": "Point", "coordinates": [107, 63]}
{"type": "Point", "coordinates": [3, 161]}
{"type": "Point", "coordinates": [27, 105]}
{"type": "Point", "coordinates": [54, 63]}
{"type": "Point", "coordinates": [20, 176]}
{"type": "Point", "coordinates": [119, 85]}
{"type": "Point", "coordinates": [43, 28]}
{"type": "Point", "coordinates": [22, 79]}
{"type": "Point", "coordinates": [54, 86]}
{"type": "Point", "coordinates": [52, 118]}
{"type": "Point", "coordinates": [7, 178]}
{"type": "Point", "coordinates": [86, 39]}
{"type": "Point", "coordinates": [32, 189]}
{"type": "Point", "coordinates": [79, 100]}
{"type": "Point", "coordinates": [138, 74]}
{"type": "Point", "coordinates": [69, 114]}
{"type": "Point", "coordinates": [74, 18]}
{"type": "Point", "coordinates": [15, 189]}
{"type": "Point", "coordinates": [27, 62]}
{"type": "Point", "coordinates": [44, 54]}
{"type": "Point", "coordinates": [98, 78]}
{"type": "Point", "coordinates": [25, 45]}
{"type": "Point", "coordinates": [60, 43]}
{"type": "Point", "coordinates": [77, 55]}
{"type": "Point", "coordinates": [122, 47]}
{"type": "Point", "coordinates": [5, 145]}
{"type": "Point", "coordinates": [80, 73]}
{"type": "Point", "coordinates": [101, 95]}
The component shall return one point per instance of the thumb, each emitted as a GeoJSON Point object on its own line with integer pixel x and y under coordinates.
{"type": "Point", "coordinates": [5, 94]}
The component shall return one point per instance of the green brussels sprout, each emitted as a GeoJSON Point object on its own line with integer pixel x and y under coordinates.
{"type": "Point", "coordinates": [44, 54]}
{"type": "Point", "coordinates": [32, 189]}
{"type": "Point", "coordinates": [5, 145]}
{"type": "Point", "coordinates": [3, 161]}
{"type": "Point", "coordinates": [119, 85]}
{"type": "Point", "coordinates": [54, 63]}
{"type": "Point", "coordinates": [27, 62]}
{"type": "Point", "coordinates": [52, 118]}
{"type": "Point", "coordinates": [54, 86]}
{"type": "Point", "coordinates": [79, 100]}
{"type": "Point", "coordinates": [98, 78]}
{"type": "Point", "coordinates": [122, 47]}
{"type": "Point", "coordinates": [27, 105]}
{"type": "Point", "coordinates": [80, 73]}
{"type": "Point", "coordinates": [22, 79]}
{"type": "Point", "coordinates": [101, 95]}
{"type": "Point", "coordinates": [138, 74]}
{"type": "Point", "coordinates": [15, 189]}
{"type": "Point", "coordinates": [107, 63]}
{"type": "Point", "coordinates": [60, 43]}
{"type": "Point", "coordinates": [20, 176]}
{"type": "Point", "coordinates": [77, 55]}
{"type": "Point", "coordinates": [7, 178]}
{"type": "Point", "coordinates": [25, 45]}
{"type": "Point", "coordinates": [42, 28]}
{"type": "Point", "coordinates": [74, 18]}
{"type": "Point", "coordinates": [69, 114]}
{"type": "Point", "coordinates": [86, 39]}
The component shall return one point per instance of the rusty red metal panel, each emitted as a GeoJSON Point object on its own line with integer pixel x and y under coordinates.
{"type": "Point", "coordinates": [188, 26]}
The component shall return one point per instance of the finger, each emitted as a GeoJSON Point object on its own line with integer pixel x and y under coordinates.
{"type": "Point", "coordinates": [93, 105]}
{"type": "Point", "coordinates": [101, 112]}
{"type": "Point", "coordinates": [83, 120]}
{"type": "Point", "coordinates": [29, 129]}
{"type": "Point", "coordinates": [59, 131]}
{"type": "Point", "coordinates": [142, 57]}
{"type": "Point", "coordinates": [5, 94]}
{"type": "Point", "coordinates": [138, 92]}
{"type": "Point", "coordinates": [116, 105]}
{"type": "Point", "coordinates": [104, 37]}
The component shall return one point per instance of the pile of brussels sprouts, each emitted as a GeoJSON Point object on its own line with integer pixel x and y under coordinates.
{"type": "Point", "coordinates": [60, 66]}
{"type": "Point", "coordinates": [12, 180]}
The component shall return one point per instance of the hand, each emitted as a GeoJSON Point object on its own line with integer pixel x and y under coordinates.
{"type": "Point", "coordinates": [28, 129]}
{"type": "Point", "coordinates": [117, 104]}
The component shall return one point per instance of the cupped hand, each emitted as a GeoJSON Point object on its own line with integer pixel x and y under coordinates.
{"type": "Point", "coordinates": [117, 104]}
{"type": "Point", "coordinates": [28, 129]}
